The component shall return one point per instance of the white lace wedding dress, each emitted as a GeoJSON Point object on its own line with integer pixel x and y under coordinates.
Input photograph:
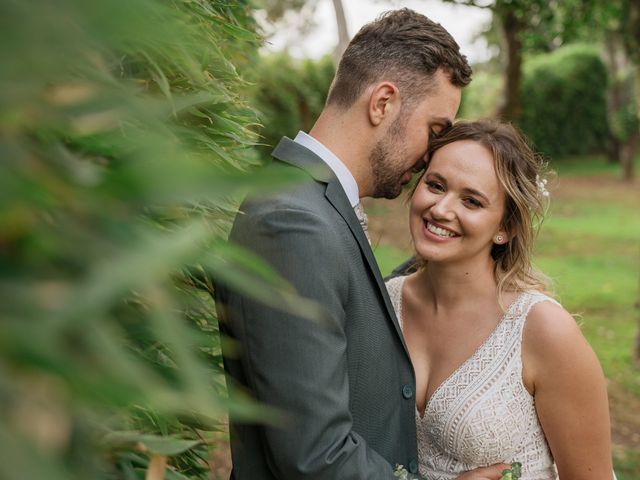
{"type": "Point", "coordinates": [482, 414]}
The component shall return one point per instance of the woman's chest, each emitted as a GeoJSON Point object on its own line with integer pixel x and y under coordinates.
{"type": "Point", "coordinates": [439, 351]}
{"type": "Point", "coordinates": [481, 414]}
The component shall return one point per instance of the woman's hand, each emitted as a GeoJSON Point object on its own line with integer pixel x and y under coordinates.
{"type": "Point", "coordinates": [492, 472]}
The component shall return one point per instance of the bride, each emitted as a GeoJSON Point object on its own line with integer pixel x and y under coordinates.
{"type": "Point", "coordinates": [503, 372]}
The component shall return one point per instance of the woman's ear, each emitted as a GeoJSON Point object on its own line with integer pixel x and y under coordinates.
{"type": "Point", "coordinates": [502, 237]}
{"type": "Point", "coordinates": [384, 102]}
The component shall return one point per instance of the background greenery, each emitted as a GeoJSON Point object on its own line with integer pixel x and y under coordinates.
{"type": "Point", "coordinates": [564, 98]}
{"type": "Point", "coordinates": [564, 102]}
{"type": "Point", "coordinates": [289, 95]}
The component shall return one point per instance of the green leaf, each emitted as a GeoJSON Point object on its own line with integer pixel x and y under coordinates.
{"type": "Point", "coordinates": [158, 445]}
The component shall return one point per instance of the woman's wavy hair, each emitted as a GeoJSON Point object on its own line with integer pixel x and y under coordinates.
{"type": "Point", "coordinates": [520, 172]}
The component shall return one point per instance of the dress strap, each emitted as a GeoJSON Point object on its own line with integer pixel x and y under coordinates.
{"type": "Point", "coordinates": [527, 301]}
{"type": "Point", "coordinates": [394, 287]}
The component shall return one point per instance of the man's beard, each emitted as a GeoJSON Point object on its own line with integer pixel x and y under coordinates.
{"type": "Point", "coordinates": [386, 161]}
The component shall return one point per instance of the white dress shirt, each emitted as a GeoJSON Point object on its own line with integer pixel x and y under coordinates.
{"type": "Point", "coordinates": [343, 174]}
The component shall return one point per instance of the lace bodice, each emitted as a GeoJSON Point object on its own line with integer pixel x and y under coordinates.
{"type": "Point", "coordinates": [483, 414]}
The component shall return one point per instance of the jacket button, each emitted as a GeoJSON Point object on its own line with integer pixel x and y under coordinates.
{"type": "Point", "coordinates": [413, 466]}
{"type": "Point", "coordinates": [407, 391]}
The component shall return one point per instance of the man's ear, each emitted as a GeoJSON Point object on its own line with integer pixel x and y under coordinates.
{"type": "Point", "coordinates": [384, 102]}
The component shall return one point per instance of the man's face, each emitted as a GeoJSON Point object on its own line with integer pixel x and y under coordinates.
{"type": "Point", "coordinates": [402, 150]}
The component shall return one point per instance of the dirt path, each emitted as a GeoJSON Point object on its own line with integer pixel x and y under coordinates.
{"type": "Point", "coordinates": [625, 417]}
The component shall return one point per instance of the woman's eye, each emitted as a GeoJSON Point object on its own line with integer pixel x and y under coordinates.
{"type": "Point", "coordinates": [474, 203]}
{"type": "Point", "coordinates": [435, 186]}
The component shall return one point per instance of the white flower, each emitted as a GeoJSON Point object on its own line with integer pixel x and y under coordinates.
{"type": "Point", "coordinates": [542, 186]}
{"type": "Point", "coordinates": [401, 473]}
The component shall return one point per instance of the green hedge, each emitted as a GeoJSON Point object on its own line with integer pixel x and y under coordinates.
{"type": "Point", "coordinates": [564, 101]}
{"type": "Point", "coordinates": [480, 98]}
{"type": "Point", "coordinates": [289, 95]}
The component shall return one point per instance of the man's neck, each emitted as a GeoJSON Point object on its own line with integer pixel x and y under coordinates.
{"type": "Point", "coordinates": [340, 135]}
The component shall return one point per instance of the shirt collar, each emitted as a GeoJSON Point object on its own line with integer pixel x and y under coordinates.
{"type": "Point", "coordinates": [343, 174]}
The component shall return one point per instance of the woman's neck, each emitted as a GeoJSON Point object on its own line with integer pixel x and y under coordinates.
{"type": "Point", "coordinates": [453, 285]}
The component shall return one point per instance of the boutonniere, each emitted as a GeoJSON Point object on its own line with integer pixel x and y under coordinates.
{"type": "Point", "coordinates": [401, 473]}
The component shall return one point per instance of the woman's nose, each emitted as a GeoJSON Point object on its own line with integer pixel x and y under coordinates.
{"type": "Point", "coordinates": [442, 208]}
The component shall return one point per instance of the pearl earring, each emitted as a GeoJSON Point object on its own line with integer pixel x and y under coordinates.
{"type": "Point", "coordinates": [499, 238]}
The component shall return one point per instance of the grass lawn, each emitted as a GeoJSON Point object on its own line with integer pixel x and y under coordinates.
{"type": "Point", "coordinates": [590, 246]}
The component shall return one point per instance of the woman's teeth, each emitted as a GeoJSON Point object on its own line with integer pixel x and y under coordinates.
{"type": "Point", "coordinates": [439, 231]}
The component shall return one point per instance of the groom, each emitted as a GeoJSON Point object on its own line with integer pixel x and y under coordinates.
{"type": "Point", "coordinates": [346, 384]}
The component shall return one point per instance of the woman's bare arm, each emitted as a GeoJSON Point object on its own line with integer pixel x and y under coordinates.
{"type": "Point", "coordinates": [564, 375]}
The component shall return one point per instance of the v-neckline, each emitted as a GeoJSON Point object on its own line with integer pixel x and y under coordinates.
{"type": "Point", "coordinates": [468, 359]}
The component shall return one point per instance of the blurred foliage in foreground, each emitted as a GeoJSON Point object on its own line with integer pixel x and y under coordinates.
{"type": "Point", "coordinates": [124, 139]}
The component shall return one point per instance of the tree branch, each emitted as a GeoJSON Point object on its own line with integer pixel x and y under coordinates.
{"type": "Point", "coordinates": [473, 3]}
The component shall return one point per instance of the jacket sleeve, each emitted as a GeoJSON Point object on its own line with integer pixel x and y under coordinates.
{"type": "Point", "coordinates": [407, 267]}
{"type": "Point", "coordinates": [297, 365]}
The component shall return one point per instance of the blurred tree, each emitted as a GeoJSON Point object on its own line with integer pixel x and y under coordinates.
{"type": "Point", "coordinates": [343, 31]}
{"type": "Point", "coordinates": [535, 25]}
{"type": "Point", "coordinates": [514, 18]}
{"type": "Point", "coordinates": [124, 138]}
{"type": "Point", "coordinates": [616, 25]}
{"type": "Point", "coordinates": [564, 101]}
{"type": "Point", "coordinates": [277, 9]}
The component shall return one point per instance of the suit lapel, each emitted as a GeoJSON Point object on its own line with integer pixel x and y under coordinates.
{"type": "Point", "coordinates": [294, 154]}
{"type": "Point", "coordinates": [336, 196]}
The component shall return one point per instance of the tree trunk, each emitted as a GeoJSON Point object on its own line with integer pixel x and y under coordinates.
{"type": "Point", "coordinates": [633, 51]}
{"type": "Point", "coordinates": [632, 44]}
{"type": "Point", "coordinates": [614, 93]}
{"type": "Point", "coordinates": [512, 27]}
{"type": "Point", "coordinates": [343, 31]}
{"type": "Point", "coordinates": [627, 154]}
{"type": "Point", "coordinates": [624, 78]}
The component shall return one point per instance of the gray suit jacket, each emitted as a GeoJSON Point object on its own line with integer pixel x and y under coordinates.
{"type": "Point", "coordinates": [347, 386]}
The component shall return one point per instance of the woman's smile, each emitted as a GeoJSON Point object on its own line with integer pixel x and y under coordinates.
{"type": "Point", "coordinates": [441, 232]}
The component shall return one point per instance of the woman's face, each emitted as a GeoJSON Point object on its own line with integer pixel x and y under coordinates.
{"type": "Point", "coordinates": [457, 208]}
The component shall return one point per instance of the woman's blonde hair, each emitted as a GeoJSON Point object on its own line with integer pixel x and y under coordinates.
{"type": "Point", "coordinates": [520, 172]}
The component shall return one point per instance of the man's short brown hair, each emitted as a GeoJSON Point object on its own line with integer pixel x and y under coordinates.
{"type": "Point", "coordinates": [401, 46]}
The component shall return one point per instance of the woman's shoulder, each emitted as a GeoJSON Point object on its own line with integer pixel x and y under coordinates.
{"type": "Point", "coordinates": [554, 348]}
{"type": "Point", "coordinates": [546, 317]}
{"type": "Point", "coordinates": [551, 333]}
